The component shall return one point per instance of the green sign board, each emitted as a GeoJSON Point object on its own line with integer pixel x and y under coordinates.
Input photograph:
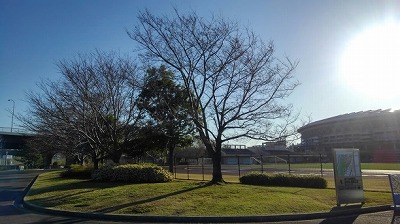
{"type": "Point", "coordinates": [348, 177]}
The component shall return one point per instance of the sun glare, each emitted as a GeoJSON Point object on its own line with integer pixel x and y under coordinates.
{"type": "Point", "coordinates": [371, 61]}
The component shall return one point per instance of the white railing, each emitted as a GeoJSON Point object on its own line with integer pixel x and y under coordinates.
{"type": "Point", "coordinates": [277, 159]}
{"type": "Point", "coordinates": [16, 130]}
{"type": "Point", "coordinates": [256, 160]}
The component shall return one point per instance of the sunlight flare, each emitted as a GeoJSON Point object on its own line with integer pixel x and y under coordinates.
{"type": "Point", "coordinates": [370, 63]}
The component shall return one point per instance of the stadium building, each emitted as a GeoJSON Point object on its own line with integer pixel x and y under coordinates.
{"type": "Point", "coordinates": [376, 133]}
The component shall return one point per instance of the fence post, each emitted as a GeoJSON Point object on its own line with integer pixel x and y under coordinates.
{"type": "Point", "coordinates": [320, 161]}
{"type": "Point", "coordinates": [238, 165]}
{"type": "Point", "coordinates": [262, 165]}
{"type": "Point", "coordinates": [289, 162]}
{"type": "Point", "coordinates": [187, 169]}
{"type": "Point", "coordinates": [175, 166]}
{"type": "Point", "coordinates": [202, 167]}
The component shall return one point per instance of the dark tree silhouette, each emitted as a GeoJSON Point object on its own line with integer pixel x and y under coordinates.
{"type": "Point", "coordinates": [167, 105]}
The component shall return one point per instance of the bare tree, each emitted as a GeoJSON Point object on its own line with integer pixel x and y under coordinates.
{"type": "Point", "coordinates": [236, 85]}
{"type": "Point", "coordinates": [92, 108]}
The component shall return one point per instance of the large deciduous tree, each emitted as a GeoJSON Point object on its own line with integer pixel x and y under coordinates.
{"type": "Point", "coordinates": [167, 105]}
{"type": "Point", "coordinates": [92, 108]}
{"type": "Point", "coordinates": [236, 85]}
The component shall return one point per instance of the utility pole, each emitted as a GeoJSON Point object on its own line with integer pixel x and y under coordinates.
{"type": "Point", "coordinates": [12, 115]}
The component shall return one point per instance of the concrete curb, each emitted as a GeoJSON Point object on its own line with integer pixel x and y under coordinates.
{"type": "Point", "coordinates": [199, 219]}
{"type": "Point", "coordinates": [208, 219]}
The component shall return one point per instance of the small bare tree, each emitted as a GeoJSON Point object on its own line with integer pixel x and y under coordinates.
{"type": "Point", "coordinates": [236, 85]}
{"type": "Point", "coordinates": [92, 108]}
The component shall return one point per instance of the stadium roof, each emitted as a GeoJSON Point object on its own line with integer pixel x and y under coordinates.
{"type": "Point", "coordinates": [347, 117]}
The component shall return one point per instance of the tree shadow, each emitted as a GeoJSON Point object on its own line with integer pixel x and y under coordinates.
{"type": "Point", "coordinates": [79, 185]}
{"type": "Point", "coordinates": [300, 190]}
{"type": "Point", "coordinates": [116, 208]}
{"type": "Point", "coordinates": [53, 201]}
{"type": "Point", "coordinates": [9, 194]}
{"type": "Point", "coordinates": [346, 218]}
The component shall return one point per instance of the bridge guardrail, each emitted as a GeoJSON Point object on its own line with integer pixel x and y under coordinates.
{"type": "Point", "coordinates": [16, 130]}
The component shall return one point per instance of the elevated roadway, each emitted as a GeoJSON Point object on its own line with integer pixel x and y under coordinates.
{"type": "Point", "coordinates": [11, 140]}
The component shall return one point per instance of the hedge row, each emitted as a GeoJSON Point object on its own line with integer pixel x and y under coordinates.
{"type": "Point", "coordinates": [285, 180]}
{"type": "Point", "coordinates": [133, 173]}
{"type": "Point", "coordinates": [78, 171]}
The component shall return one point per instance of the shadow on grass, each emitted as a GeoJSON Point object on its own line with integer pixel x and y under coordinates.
{"type": "Point", "coordinates": [116, 208]}
{"type": "Point", "coordinates": [53, 201]}
{"type": "Point", "coordinates": [82, 184]}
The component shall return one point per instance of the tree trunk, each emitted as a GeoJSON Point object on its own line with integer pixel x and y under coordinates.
{"type": "Point", "coordinates": [48, 157]}
{"type": "Point", "coordinates": [116, 157]}
{"type": "Point", "coordinates": [171, 158]}
{"type": "Point", "coordinates": [217, 169]}
{"type": "Point", "coordinates": [69, 160]}
{"type": "Point", "coordinates": [95, 163]}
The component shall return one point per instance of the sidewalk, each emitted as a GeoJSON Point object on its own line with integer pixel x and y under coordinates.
{"type": "Point", "coordinates": [385, 217]}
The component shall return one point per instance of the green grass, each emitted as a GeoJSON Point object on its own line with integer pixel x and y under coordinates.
{"type": "Point", "coordinates": [380, 166]}
{"type": "Point", "coordinates": [184, 198]}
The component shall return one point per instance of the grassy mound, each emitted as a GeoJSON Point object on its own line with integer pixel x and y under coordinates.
{"type": "Point", "coordinates": [284, 180]}
{"type": "Point", "coordinates": [184, 198]}
{"type": "Point", "coordinates": [78, 171]}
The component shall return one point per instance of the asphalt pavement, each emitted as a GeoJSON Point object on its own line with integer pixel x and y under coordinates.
{"type": "Point", "coordinates": [14, 185]}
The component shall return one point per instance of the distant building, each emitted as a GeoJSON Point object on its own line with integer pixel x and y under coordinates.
{"type": "Point", "coordinates": [376, 133]}
{"type": "Point", "coordinates": [234, 154]}
{"type": "Point", "coordinates": [270, 148]}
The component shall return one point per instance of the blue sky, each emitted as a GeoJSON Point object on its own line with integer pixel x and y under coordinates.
{"type": "Point", "coordinates": [34, 35]}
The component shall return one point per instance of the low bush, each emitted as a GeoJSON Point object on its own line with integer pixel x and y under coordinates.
{"type": "Point", "coordinates": [133, 173]}
{"type": "Point", "coordinates": [78, 171]}
{"type": "Point", "coordinates": [284, 180]}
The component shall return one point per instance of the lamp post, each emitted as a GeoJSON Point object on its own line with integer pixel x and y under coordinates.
{"type": "Point", "coordinates": [12, 115]}
{"type": "Point", "coordinates": [5, 160]}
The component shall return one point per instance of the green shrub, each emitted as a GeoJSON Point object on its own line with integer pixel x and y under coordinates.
{"type": "Point", "coordinates": [284, 180]}
{"type": "Point", "coordinates": [104, 173]}
{"type": "Point", "coordinates": [133, 173]}
{"type": "Point", "coordinates": [78, 171]}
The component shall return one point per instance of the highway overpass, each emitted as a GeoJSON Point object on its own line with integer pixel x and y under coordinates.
{"type": "Point", "coordinates": [10, 141]}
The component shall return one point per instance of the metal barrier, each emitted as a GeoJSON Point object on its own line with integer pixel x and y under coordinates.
{"type": "Point", "coordinates": [394, 180]}
{"type": "Point", "coordinates": [312, 164]}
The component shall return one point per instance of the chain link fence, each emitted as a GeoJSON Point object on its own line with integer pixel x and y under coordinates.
{"type": "Point", "coordinates": [299, 164]}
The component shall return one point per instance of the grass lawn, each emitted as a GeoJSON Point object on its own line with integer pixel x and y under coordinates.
{"type": "Point", "coordinates": [184, 198]}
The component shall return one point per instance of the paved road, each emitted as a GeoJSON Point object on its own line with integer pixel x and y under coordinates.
{"type": "Point", "coordinates": [372, 218]}
{"type": "Point", "coordinates": [12, 185]}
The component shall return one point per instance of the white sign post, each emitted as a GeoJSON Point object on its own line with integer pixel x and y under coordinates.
{"type": "Point", "coordinates": [348, 177]}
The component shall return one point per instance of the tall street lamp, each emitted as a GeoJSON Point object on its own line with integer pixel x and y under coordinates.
{"type": "Point", "coordinates": [5, 159]}
{"type": "Point", "coordinates": [12, 115]}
